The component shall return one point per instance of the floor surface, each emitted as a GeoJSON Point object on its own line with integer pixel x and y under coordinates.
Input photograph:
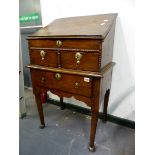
{"type": "Point", "coordinates": [67, 133]}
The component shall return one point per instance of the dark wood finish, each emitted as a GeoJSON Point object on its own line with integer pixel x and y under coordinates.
{"type": "Point", "coordinates": [95, 112]}
{"type": "Point", "coordinates": [59, 59]}
{"type": "Point", "coordinates": [50, 59]}
{"type": "Point", "coordinates": [73, 72]}
{"type": "Point", "coordinates": [62, 105]}
{"type": "Point", "coordinates": [107, 47]}
{"type": "Point", "coordinates": [40, 110]}
{"type": "Point", "coordinates": [69, 62]}
{"type": "Point", "coordinates": [43, 97]}
{"type": "Point", "coordinates": [94, 44]}
{"type": "Point", "coordinates": [72, 57]}
{"type": "Point", "coordinates": [105, 91]}
{"type": "Point", "coordinates": [94, 26]}
{"type": "Point", "coordinates": [65, 83]}
{"type": "Point", "coordinates": [106, 100]}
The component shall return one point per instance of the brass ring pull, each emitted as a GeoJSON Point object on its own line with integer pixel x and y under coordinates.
{"type": "Point", "coordinates": [58, 76]}
{"type": "Point", "coordinates": [59, 43]}
{"type": "Point", "coordinates": [77, 85]}
{"type": "Point", "coordinates": [78, 57]}
{"type": "Point", "coordinates": [42, 54]}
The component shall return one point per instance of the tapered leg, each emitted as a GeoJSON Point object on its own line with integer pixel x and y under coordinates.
{"type": "Point", "coordinates": [62, 105]}
{"type": "Point", "coordinates": [94, 113]}
{"type": "Point", "coordinates": [106, 100]}
{"type": "Point", "coordinates": [94, 119]}
{"type": "Point", "coordinates": [40, 110]}
{"type": "Point", "coordinates": [43, 97]}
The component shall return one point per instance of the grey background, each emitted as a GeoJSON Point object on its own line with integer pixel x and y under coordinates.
{"type": "Point", "coordinates": [28, 7]}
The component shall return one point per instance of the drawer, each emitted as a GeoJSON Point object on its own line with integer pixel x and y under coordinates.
{"type": "Point", "coordinates": [80, 61]}
{"type": "Point", "coordinates": [43, 58]}
{"type": "Point", "coordinates": [93, 44]}
{"type": "Point", "coordinates": [64, 82]}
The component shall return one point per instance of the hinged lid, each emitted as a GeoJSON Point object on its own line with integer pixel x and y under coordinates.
{"type": "Point", "coordinates": [94, 26]}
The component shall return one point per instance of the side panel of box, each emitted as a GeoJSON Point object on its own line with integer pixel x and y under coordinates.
{"type": "Point", "coordinates": [107, 47]}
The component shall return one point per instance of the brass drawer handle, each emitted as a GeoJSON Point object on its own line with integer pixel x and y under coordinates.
{"type": "Point", "coordinates": [42, 54]}
{"type": "Point", "coordinates": [77, 85]}
{"type": "Point", "coordinates": [78, 57]}
{"type": "Point", "coordinates": [42, 80]}
{"type": "Point", "coordinates": [59, 43]}
{"type": "Point", "coordinates": [58, 76]}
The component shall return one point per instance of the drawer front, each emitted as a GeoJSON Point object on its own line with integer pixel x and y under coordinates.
{"type": "Point", "coordinates": [93, 44]}
{"type": "Point", "coordinates": [43, 58]}
{"type": "Point", "coordinates": [80, 61]}
{"type": "Point", "coordinates": [64, 82]}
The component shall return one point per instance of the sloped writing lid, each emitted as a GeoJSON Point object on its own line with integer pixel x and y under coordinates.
{"type": "Point", "coordinates": [92, 26]}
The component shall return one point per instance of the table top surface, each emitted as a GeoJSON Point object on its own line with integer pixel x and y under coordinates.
{"type": "Point", "coordinates": [92, 26]}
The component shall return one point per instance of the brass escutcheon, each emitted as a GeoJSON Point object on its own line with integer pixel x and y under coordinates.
{"type": "Point", "coordinates": [77, 85]}
{"type": "Point", "coordinates": [78, 57]}
{"type": "Point", "coordinates": [42, 80]}
{"type": "Point", "coordinates": [59, 43]}
{"type": "Point", "coordinates": [58, 76]}
{"type": "Point", "coordinates": [42, 54]}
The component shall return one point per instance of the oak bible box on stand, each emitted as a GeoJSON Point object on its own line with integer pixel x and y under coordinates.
{"type": "Point", "coordinates": [73, 57]}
